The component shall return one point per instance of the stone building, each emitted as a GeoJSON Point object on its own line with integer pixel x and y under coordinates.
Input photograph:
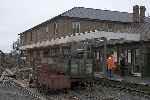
{"type": "Point", "coordinates": [80, 20]}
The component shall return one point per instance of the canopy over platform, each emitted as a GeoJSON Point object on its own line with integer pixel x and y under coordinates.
{"type": "Point", "coordinates": [112, 37]}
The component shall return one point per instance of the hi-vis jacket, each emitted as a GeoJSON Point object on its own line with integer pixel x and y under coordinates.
{"type": "Point", "coordinates": [110, 62]}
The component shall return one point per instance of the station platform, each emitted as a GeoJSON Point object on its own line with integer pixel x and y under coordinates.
{"type": "Point", "coordinates": [130, 79]}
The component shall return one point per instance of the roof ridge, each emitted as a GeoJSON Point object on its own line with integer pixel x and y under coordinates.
{"type": "Point", "coordinates": [103, 10]}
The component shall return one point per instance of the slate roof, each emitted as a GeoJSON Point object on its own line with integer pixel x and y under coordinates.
{"type": "Point", "coordinates": [81, 12]}
{"type": "Point", "coordinates": [99, 14]}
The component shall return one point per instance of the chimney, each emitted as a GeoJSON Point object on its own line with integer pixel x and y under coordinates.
{"type": "Point", "coordinates": [136, 13]}
{"type": "Point", "coordinates": [142, 13]}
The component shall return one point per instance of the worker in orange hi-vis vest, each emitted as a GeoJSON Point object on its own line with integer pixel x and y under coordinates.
{"type": "Point", "coordinates": [110, 65]}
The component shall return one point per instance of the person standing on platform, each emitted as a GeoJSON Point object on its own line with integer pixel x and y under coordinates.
{"type": "Point", "coordinates": [110, 65]}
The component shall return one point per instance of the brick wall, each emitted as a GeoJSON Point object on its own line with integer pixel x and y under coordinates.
{"type": "Point", "coordinates": [64, 26]}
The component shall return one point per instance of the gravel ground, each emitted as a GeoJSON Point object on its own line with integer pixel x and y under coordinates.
{"type": "Point", "coordinates": [97, 93]}
{"type": "Point", "coordinates": [9, 90]}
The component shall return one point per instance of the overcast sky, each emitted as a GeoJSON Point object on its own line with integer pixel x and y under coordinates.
{"type": "Point", "coordinates": [17, 16]}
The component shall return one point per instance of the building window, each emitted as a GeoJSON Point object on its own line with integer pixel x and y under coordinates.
{"type": "Point", "coordinates": [76, 27]}
{"type": "Point", "coordinates": [31, 38]}
{"type": "Point", "coordinates": [110, 27]}
{"type": "Point", "coordinates": [55, 28]}
{"type": "Point", "coordinates": [21, 39]}
{"type": "Point", "coordinates": [46, 29]}
{"type": "Point", "coordinates": [36, 35]}
{"type": "Point", "coordinates": [25, 37]}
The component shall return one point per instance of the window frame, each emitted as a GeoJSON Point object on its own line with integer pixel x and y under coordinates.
{"type": "Point", "coordinates": [76, 26]}
{"type": "Point", "coordinates": [55, 27]}
{"type": "Point", "coordinates": [31, 36]}
{"type": "Point", "coordinates": [47, 29]}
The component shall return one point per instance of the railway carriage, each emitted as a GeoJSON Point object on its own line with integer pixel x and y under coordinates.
{"type": "Point", "coordinates": [76, 69]}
